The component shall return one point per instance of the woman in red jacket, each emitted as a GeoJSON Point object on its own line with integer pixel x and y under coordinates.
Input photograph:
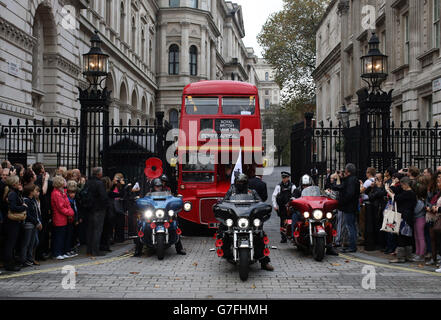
{"type": "Point", "coordinates": [61, 210]}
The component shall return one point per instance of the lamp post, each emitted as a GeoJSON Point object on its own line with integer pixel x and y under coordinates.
{"type": "Point", "coordinates": [95, 101]}
{"type": "Point", "coordinates": [374, 104]}
{"type": "Point", "coordinates": [343, 116]}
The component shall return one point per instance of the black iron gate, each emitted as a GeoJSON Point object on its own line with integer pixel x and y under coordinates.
{"type": "Point", "coordinates": [57, 143]}
{"type": "Point", "coordinates": [320, 147]}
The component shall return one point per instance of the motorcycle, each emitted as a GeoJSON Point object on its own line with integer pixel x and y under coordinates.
{"type": "Point", "coordinates": [241, 223]}
{"type": "Point", "coordinates": [314, 229]}
{"type": "Point", "coordinates": [157, 221]}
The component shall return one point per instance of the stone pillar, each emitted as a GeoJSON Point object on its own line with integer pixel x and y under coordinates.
{"type": "Point", "coordinates": [213, 61]}
{"type": "Point", "coordinates": [415, 13]}
{"type": "Point", "coordinates": [184, 65]}
{"type": "Point", "coordinates": [208, 55]}
{"type": "Point", "coordinates": [343, 9]}
{"type": "Point", "coordinates": [202, 61]}
{"type": "Point", "coordinates": [164, 49]}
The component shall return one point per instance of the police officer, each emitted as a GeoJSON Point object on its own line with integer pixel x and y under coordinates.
{"type": "Point", "coordinates": [157, 186]}
{"type": "Point", "coordinates": [237, 190]}
{"type": "Point", "coordinates": [281, 195]}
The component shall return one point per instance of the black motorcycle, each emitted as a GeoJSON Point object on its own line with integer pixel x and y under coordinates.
{"type": "Point", "coordinates": [241, 223]}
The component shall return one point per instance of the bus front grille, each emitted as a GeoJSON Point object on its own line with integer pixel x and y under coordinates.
{"type": "Point", "coordinates": [206, 209]}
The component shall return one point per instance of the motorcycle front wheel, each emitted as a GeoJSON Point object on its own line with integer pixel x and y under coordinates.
{"type": "Point", "coordinates": [160, 245]}
{"type": "Point", "coordinates": [244, 263]}
{"type": "Point", "coordinates": [318, 249]}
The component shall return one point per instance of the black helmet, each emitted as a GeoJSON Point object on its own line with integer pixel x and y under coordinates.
{"type": "Point", "coordinates": [164, 178]}
{"type": "Point", "coordinates": [157, 182]}
{"type": "Point", "coordinates": [241, 183]}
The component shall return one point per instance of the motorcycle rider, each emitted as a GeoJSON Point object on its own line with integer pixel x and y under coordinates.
{"type": "Point", "coordinates": [157, 186]}
{"type": "Point", "coordinates": [281, 195]}
{"type": "Point", "coordinates": [237, 192]}
{"type": "Point", "coordinates": [305, 182]}
{"type": "Point", "coordinates": [164, 180]}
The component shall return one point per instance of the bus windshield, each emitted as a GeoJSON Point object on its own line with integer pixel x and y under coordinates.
{"type": "Point", "coordinates": [192, 165]}
{"type": "Point", "coordinates": [238, 105]}
{"type": "Point", "coordinates": [199, 105]}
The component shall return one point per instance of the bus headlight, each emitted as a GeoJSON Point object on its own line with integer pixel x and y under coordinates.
{"type": "Point", "coordinates": [187, 206]}
{"type": "Point", "coordinates": [329, 215]}
{"type": "Point", "coordinates": [171, 213]}
{"type": "Point", "coordinates": [160, 213]}
{"type": "Point", "coordinates": [229, 222]}
{"type": "Point", "coordinates": [148, 214]}
{"type": "Point", "coordinates": [256, 222]}
{"type": "Point", "coordinates": [306, 214]}
{"type": "Point", "coordinates": [243, 223]}
{"type": "Point", "coordinates": [317, 214]}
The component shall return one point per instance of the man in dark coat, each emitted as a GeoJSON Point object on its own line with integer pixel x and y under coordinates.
{"type": "Point", "coordinates": [97, 191]}
{"type": "Point", "coordinates": [256, 183]}
{"type": "Point", "coordinates": [348, 202]}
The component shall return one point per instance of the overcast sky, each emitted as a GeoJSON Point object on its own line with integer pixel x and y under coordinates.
{"type": "Point", "coordinates": [255, 13]}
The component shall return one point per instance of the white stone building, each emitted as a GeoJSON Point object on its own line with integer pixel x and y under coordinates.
{"type": "Point", "coordinates": [269, 90]}
{"type": "Point", "coordinates": [409, 33]}
{"type": "Point", "coordinates": [156, 47]}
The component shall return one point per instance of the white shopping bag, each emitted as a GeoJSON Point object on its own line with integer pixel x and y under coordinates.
{"type": "Point", "coordinates": [391, 220]}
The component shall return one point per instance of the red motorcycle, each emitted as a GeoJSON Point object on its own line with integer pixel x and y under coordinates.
{"type": "Point", "coordinates": [313, 230]}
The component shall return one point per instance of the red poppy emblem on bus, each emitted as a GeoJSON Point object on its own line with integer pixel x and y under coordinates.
{"type": "Point", "coordinates": [153, 168]}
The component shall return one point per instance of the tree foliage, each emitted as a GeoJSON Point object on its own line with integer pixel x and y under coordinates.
{"type": "Point", "coordinates": [288, 42]}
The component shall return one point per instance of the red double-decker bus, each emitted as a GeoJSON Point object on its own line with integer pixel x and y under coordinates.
{"type": "Point", "coordinates": [218, 120]}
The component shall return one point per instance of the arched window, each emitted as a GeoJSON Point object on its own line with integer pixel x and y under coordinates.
{"type": "Point", "coordinates": [173, 117]}
{"type": "Point", "coordinates": [173, 59]}
{"type": "Point", "coordinates": [193, 61]}
{"type": "Point", "coordinates": [194, 4]}
{"type": "Point", "coordinates": [174, 3]}
{"type": "Point", "coordinates": [122, 22]}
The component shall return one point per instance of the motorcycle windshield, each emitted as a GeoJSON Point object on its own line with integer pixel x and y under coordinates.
{"type": "Point", "coordinates": [313, 191]}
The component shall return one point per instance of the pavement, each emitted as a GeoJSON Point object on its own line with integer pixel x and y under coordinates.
{"type": "Point", "coordinates": [202, 275]}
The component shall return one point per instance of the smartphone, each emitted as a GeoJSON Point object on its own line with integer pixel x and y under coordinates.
{"type": "Point", "coordinates": [405, 170]}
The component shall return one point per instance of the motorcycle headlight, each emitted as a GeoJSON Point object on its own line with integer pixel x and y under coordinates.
{"type": "Point", "coordinates": [171, 213]}
{"type": "Point", "coordinates": [229, 222]}
{"type": "Point", "coordinates": [317, 214]}
{"type": "Point", "coordinates": [256, 222]}
{"type": "Point", "coordinates": [187, 206]}
{"type": "Point", "coordinates": [160, 213]}
{"type": "Point", "coordinates": [306, 214]}
{"type": "Point", "coordinates": [148, 214]}
{"type": "Point", "coordinates": [329, 215]}
{"type": "Point", "coordinates": [243, 223]}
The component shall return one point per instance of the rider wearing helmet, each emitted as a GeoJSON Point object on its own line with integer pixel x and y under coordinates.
{"type": "Point", "coordinates": [158, 186]}
{"type": "Point", "coordinates": [305, 182]}
{"type": "Point", "coordinates": [237, 192]}
{"type": "Point", "coordinates": [164, 180]}
{"type": "Point", "coordinates": [240, 186]}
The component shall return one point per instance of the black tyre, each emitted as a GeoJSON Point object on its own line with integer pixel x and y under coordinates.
{"type": "Point", "coordinates": [318, 249]}
{"type": "Point", "coordinates": [244, 263]}
{"type": "Point", "coordinates": [160, 245]}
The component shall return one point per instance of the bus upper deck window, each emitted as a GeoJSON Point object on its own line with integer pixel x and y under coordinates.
{"type": "Point", "coordinates": [239, 105]}
{"type": "Point", "coordinates": [198, 105]}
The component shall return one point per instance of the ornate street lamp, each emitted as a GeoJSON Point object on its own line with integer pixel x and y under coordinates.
{"type": "Point", "coordinates": [374, 106]}
{"type": "Point", "coordinates": [95, 101]}
{"type": "Point", "coordinates": [374, 65]}
{"type": "Point", "coordinates": [95, 62]}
